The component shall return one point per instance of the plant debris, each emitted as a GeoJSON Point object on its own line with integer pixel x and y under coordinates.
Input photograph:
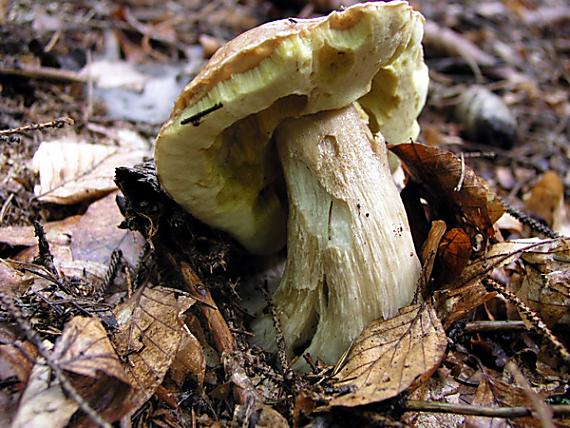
{"type": "Point", "coordinates": [117, 307]}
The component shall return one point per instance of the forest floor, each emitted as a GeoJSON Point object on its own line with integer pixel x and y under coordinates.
{"type": "Point", "coordinates": [145, 324]}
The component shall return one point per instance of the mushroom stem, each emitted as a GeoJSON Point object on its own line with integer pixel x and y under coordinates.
{"type": "Point", "coordinates": [351, 258]}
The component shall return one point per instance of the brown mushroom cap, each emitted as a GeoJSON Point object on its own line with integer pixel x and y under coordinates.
{"type": "Point", "coordinates": [215, 157]}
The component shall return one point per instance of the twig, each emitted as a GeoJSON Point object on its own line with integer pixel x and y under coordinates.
{"type": "Point", "coordinates": [60, 122]}
{"type": "Point", "coordinates": [49, 73]}
{"type": "Point", "coordinates": [482, 326]}
{"type": "Point", "coordinates": [471, 410]}
{"type": "Point", "coordinates": [530, 315]}
{"type": "Point", "coordinates": [33, 338]}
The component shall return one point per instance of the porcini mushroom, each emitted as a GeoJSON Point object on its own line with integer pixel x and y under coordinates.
{"type": "Point", "coordinates": [293, 98]}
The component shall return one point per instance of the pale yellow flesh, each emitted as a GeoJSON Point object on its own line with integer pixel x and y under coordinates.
{"type": "Point", "coordinates": [224, 170]}
{"type": "Point", "coordinates": [351, 258]}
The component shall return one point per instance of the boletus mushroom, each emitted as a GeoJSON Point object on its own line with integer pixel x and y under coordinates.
{"type": "Point", "coordinates": [280, 140]}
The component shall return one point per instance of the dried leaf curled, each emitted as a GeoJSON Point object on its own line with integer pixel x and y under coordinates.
{"type": "Point", "coordinates": [390, 355]}
{"type": "Point", "coordinates": [85, 351]}
{"type": "Point", "coordinates": [439, 174]}
{"type": "Point", "coordinates": [454, 252]}
{"type": "Point", "coordinates": [148, 338]}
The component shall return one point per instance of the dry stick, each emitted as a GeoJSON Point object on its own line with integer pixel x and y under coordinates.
{"type": "Point", "coordinates": [48, 73]}
{"type": "Point", "coordinates": [530, 315]}
{"type": "Point", "coordinates": [471, 410]}
{"type": "Point", "coordinates": [60, 122]}
{"type": "Point", "coordinates": [482, 326]}
{"type": "Point", "coordinates": [33, 338]}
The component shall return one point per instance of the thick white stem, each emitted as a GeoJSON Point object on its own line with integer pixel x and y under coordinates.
{"type": "Point", "coordinates": [351, 258]}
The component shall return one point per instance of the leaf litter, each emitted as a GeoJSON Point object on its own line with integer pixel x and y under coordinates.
{"type": "Point", "coordinates": [97, 306]}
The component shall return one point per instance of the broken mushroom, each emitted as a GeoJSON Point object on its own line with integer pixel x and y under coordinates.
{"type": "Point", "coordinates": [280, 139]}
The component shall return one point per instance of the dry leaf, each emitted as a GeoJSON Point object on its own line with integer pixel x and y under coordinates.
{"type": "Point", "coordinates": [85, 351]}
{"type": "Point", "coordinates": [390, 355]}
{"type": "Point", "coordinates": [546, 197]}
{"type": "Point", "coordinates": [439, 173]}
{"type": "Point", "coordinates": [546, 283]}
{"type": "Point", "coordinates": [189, 360]}
{"type": "Point", "coordinates": [16, 357]}
{"type": "Point", "coordinates": [57, 233]}
{"type": "Point", "coordinates": [71, 172]}
{"type": "Point", "coordinates": [453, 304]}
{"type": "Point", "coordinates": [431, 244]}
{"type": "Point", "coordinates": [454, 252]}
{"type": "Point", "coordinates": [148, 337]}
{"type": "Point", "coordinates": [262, 416]}
{"type": "Point", "coordinates": [97, 234]}
{"type": "Point", "coordinates": [493, 392]}
{"type": "Point", "coordinates": [441, 387]}
{"type": "Point", "coordinates": [43, 403]}
{"type": "Point", "coordinates": [90, 237]}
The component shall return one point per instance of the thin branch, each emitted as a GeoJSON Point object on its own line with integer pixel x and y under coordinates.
{"type": "Point", "coordinates": [471, 410]}
{"type": "Point", "coordinates": [60, 122]}
{"type": "Point", "coordinates": [48, 73]}
{"type": "Point", "coordinates": [482, 326]}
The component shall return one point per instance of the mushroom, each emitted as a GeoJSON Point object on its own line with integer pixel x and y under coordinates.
{"type": "Point", "coordinates": [279, 140]}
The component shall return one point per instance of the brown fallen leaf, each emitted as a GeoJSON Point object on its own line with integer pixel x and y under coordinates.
{"type": "Point", "coordinates": [90, 237]}
{"type": "Point", "coordinates": [430, 247]}
{"type": "Point", "coordinates": [546, 281]}
{"type": "Point", "coordinates": [451, 186]}
{"type": "Point", "coordinates": [189, 361]}
{"type": "Point", "coordinates": [453, 304]}
{"type": "Point", "coordinates": [149, 334]}
{"type": "Point", "coordinates": [546, 197]}
{"type": "Point", "coordinates": [97, 234]}
{"type": "Point", "coordinates": [442, 387]}
{"type": "Point", "coordinates": [85, 351]}
{"type": "Point", "coordinates": [57, 233]}
{"type": "Point", "coordinates": [43, 403]}
{"type": "Point", "coordinates": [71, 171]}
{"type": "Point", "coordinates": [390, 355]}
{"type": "Point", "coordinates": [17, 359]}
{"type": "Point", "coordinates": [494, 392]}
{"type": "Point", "coordinates": [454, 252]}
